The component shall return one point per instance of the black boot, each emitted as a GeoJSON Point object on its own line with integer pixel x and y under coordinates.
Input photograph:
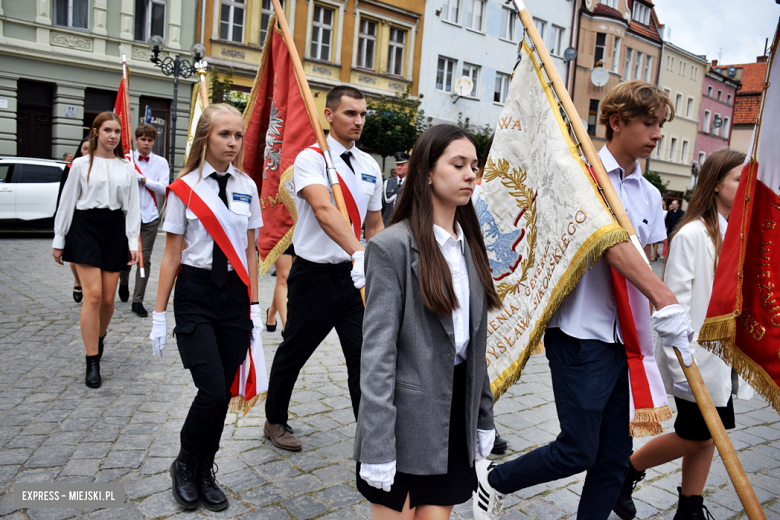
{"type": "Point", "coordinates": [183, 480]}
{"type": "Point", "coordinates": [691, 508]}
{"type": "Point", "coordinates": [210, 494]}
{"type": "Point", "coordinates": [93, 371]}
{"type": "Point", "coordinates": [101, 339]}
{"type": "Point", "coordinates": [624, 507]}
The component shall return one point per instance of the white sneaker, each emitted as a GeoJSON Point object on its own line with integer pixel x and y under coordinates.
{"type": "Point", "coordinates": [486, 501]}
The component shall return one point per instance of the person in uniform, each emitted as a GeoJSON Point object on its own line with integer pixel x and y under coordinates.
{"type": "Point", "coordinates": [152, 174]}
{"type": "Point", "coordinates": [394, 186]}
{"type": "Point", "coordinates": [323, 287]}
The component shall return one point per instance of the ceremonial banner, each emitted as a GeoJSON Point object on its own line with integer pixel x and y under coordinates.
{"type": "Point", "coordinates": [277, 129]}
{"type": "Point", "coordinates": [196, 109]}
{"type": "Point", "coordinates": [122, 109]}
{"type": "Point", "coordinates": [743, 318]}
{"type": "Point", "coordinates": [542, 218]}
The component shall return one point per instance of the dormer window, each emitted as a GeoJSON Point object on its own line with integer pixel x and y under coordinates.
{"type": "Point", "coordinates": [641, 13]}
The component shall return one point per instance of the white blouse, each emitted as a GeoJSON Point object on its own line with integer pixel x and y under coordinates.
{"type": "Point", "coordinates": [454, 252]}
{"type": "Point", "coordinates": [112, 184]}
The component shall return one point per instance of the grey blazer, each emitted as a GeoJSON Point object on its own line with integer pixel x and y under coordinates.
{"type": "Point", "coordinates": [407, 363]}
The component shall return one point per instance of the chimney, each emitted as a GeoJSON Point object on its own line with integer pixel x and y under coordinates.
{"type": "Point", "coordinates": [714, 63]}
{"type": "Point", "coordinates": [762, 59]}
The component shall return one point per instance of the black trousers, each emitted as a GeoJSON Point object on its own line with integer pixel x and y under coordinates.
{"type": "Point", "coordinates": [212, 332]}
{"type": "Point", "coordinates": [319, 298]}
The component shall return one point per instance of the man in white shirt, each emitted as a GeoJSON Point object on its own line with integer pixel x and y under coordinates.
{"type": "Point", "coordinates": [584, 342]}
{"type": "Point", "coordinates": [323, 284]}
{"type": "Point", "coordinates": [394, 186]}
{"type": "Point", "coordinates": [152, 181]}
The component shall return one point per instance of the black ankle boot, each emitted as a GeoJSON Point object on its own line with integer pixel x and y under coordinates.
{"type": "Point", "coordinates": [210, 494]}
{"type": "Point", "coordinates": [624, 507]}
{"type": "Point", "coordinates": [93, 371]}
{"type": "Point", "coordinates": [183, 480]}
{"type": "Point", "coordinates": [691, 508]}
{"type": "Point", "coordinates": [101, 339]}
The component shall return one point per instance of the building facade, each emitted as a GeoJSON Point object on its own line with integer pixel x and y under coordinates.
{"type": "Point", "coordinates": [624, 38]}
{"type": "Point", "coordinates": [682, 78]}
{"type": "Point", "coordinates": [748, 100]}
{"type": "Point", "coordinates": [717, 103]}
{"type": "Point", "coordinates": [478, 39]}
{"type": "Point", "coordinates": [60, 66]}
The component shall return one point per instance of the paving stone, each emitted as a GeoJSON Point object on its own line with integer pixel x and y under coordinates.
{"type": "Point", "coordinates": [14, 456]}
{"type": "Point", "coordinates": [264, 495]}
{"type": "Point", "coordinates": [339, 496]}
{"type": "Point", "coordinates": [241, 480]}
{"type": "Point", "coordinates": [124, 459]}
{"type": "Point", "coordinates": [268, 513]}
{"type": "Point", "coordinates": [540, 509]}
{"type": "Point", "coordinates": [86, 467]}
{"type": "Point", "coordinates": [129, 512]}
{"type": "Point", "coordinates": [161, 504]}
{"type": "Point", "coordinates": [277, 470]}
{"type": "Point", "coordinates": [146, 486]}
{"type": "Point", "coordinates": [564, 499]}
{"type": "Point", "coordinates": [304, 507]}
{"type": "Point", "coordinates": [656, 497]}
{"type": "Point", "coordinates": [47, 456]}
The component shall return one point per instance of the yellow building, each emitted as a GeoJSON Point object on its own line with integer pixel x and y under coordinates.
{"type": "Point", "coordinates": [372, 45]}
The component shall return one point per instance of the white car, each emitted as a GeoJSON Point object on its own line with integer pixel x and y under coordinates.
{"type": "Point", "coordinates": [29, 193]}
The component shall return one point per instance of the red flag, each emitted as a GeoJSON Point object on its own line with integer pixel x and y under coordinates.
{"type": "Point", "coordinates": [743, 318]}
{"type": "Point", "coordinates": [122, 109]}
{"type": "Point", "coordinates": [277, 130]}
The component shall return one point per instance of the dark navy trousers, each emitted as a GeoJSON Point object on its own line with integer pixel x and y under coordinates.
{"type": "Point", "coordinates": [590, 383]}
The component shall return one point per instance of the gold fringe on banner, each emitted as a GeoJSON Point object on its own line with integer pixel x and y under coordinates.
{"type": "Point", "coordinates": [647, 421]}
{"type": "Point", "coordinates": [238, 403]}
{"type": "Point", "coordinates": [719, 328]}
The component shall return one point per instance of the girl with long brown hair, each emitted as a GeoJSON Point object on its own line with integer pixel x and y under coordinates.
{"type": "Point", "coordinates": [426, 411]}
{"type": "Point", "coordinates": [690, 271]}
{"type": "Point", "coordinates": [96, 228]}
{"type": "Point", "coordinates": [216, 306]}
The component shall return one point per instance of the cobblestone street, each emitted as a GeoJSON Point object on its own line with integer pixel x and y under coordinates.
{"type": "Point", "coordinates": [55, 429]}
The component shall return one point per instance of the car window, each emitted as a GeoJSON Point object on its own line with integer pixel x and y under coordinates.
{"type": "Point", "coordinates": [5, 172]}
{"type": "Point", "coordinates": [35, 173]}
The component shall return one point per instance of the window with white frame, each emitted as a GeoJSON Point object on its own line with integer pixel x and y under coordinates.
{"type": "Point", "coordinates": [682, 68]}
{"type": "Point", "coordinates": [669, 63]}
{"type": "Point", "coordinates": [638, 65]}
{"type": "Point", "coordinates": [610, 3]}
{"type": "Point", "coordinates": [726, 127]}
{"type": "Point", "coordinates": [720, 94]}
{"type": "Point", "coordinates": [716, 131]}
{"type": "Point", "coordinates": [266, 12]}
{"type": "Point", "coordinates": [541, 26]}
{"type": "Point", "coordinates": [659, 146]}
{"type": "Point", "coordinates": [231, 21]}
{"type": "Point", "coordinates": [668, 92]}
{"type": "Point", "coordinates": [705, 126]}
{"type": "Point", "coordinates": [601, 49]}
{"type": "Point", "coordinates": [728, 99]}
{"type": "Point", "coordinates": [555, 40]}
{"type": "Point", "coordinates": [508, 24]}
{"type": "Point", "coordinates": [709, 91]}
{"type": "Point", "coordinates": [641, 13]}
{"type": "Point", "coordinates": [149, 19]}
{"type": "Point", "coordinates": [689, 107]}
{"type": "Point", "coordinates": [502, 88]}
{"type": "Point", "coordinates": [321, 33]}
{"type": "Point", "coordinates": [684, 151]}
{"type": "Point", "coordinates": [678, 103]}
{"type": "Point", "coordinates": [366, 44]}
{"type": "Point", "coordinates": [395, 53]}
{"type": "Point", "coordinates": [627, 65]}
{"type": "Point", "coordinates": [702, 156]}
{"type": "Point", "coordinates": [72, 13]}
{"type": "Point", "coordinates": [450, 11]}
{"type": "Point", "coordinates": [672, 149]}
{"type": "Point", "coordinates": [444, 71]}
{"type": "Point", "coordinates": [476, 15]}
{"type": "Point", "coordinates": [616, 54]}
{"type": "Point", "coordinates": [694, 72]}
{"type": "Point", "coordinates": [472, 71]}
{"type": "Point", "coordinates": [648, 67]}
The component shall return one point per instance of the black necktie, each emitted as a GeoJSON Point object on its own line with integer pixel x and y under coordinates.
{"type": "Point", "coordinates": [219, 270]}
{"type": "Point", "coordinates": [346, 155]}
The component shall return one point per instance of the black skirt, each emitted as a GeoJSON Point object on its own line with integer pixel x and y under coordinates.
{"type": "Point", "coordinates": [451, 488]}
{"type": "Point", "coordinates": [97, 237]}
{"type": "Point", "coordinates": [290, 251]}
{"type": "Point", "coordinates": [690, 425]}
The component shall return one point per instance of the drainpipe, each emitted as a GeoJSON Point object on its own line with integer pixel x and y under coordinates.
{"type": "Point", "coordinates": [574, 65]}
{"type": "Point", "coordinates": [574, 25]}
{"type": "Point", "coordinates": [202, 22]}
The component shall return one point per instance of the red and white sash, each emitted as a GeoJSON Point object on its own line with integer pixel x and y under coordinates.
{"type": "Point", "coordinates": [251, 381]}
{"type": "Point", "coordinates": [129, 157]}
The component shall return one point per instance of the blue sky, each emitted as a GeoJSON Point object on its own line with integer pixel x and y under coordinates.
{"type": "Point", "coordinates": [735, 28]}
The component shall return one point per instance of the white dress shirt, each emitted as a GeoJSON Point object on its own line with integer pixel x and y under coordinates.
{"type": "Point", "coordinates": [453, 250]}
{"type": "Point", "coordinates": [311, 242]}
{"type": "Point", "coordinates": [590, 310]}
{"type": "Point", "coordinates": [111, 185]}
{"type": "Point", "coordinates": [244, 208]}
{"type": "Point", "coordinates": [156, 172]}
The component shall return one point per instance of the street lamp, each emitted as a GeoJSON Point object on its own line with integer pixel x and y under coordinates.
{"type": "Point", "coordinates": [174, 67]}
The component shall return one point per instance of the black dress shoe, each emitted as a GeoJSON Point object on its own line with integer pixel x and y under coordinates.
{"type": "Point", "coordinates": [624, 506]}
{"type": "Point", "coordinates": [93, 371]}
{"type": "Point", "coordinates": [101, 340]}
{"type": "Point", "coordinates": [499, 446]}
{"type": "Point", "coordinates": [138, 308]}
{"type": "Point", "coordinates": [184, 480]}
{"type": "Point", "coordinates": [124, 293]}
{"type": "Point", "coordinates": [78, 294]}
{"type": "Point", "coordinates": [210, 494]}
{"type": "Point", "coordinates": [269, 328]}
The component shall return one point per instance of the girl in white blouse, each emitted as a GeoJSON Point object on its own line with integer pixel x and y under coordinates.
{"type": "Point", "coordinates": [96, 229]}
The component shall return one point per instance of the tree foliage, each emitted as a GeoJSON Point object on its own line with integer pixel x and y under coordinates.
{"type": "Point", "coordinates": [655, 180]}
{"type": "Point", "coordinates": [393, 124]}
{"type": "Point", "coordinates": [222, 92]}
{"type": "Point", "coordinates": [481, 134]}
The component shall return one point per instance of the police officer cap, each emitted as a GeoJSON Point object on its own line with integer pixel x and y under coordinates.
{"type": "Point", "coordinates": [401, 157]}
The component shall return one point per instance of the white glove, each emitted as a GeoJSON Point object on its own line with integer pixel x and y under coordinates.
{"type": "Point", "coordinates": [358, 274]}
{"type": "Point", "coordinates": [257, 320]}
{"type": "Point", "coordinates": [485, 441]}
{"type": "Point", "coordinates": [380, 476]}
{"type": "Point", "coordinates": [674, 329]}
{"type": "Point", "coordinates": [139, 176]}
{"type": "Point", "coordinates": [683, 387]}
{"type": "Point", "coordinates": [159, 332]}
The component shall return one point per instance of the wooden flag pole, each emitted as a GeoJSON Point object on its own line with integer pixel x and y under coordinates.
{"type": "Point", "coordinates": [204, 95]}
{"type": "Point", "coordinates": [311, 108]}
{"type": "Point", "coordinates": [703, 399]}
